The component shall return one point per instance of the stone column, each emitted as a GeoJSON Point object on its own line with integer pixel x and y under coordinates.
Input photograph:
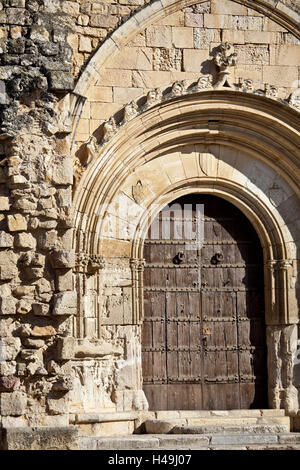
{"type": "Point", "coordinates": [137, 267]}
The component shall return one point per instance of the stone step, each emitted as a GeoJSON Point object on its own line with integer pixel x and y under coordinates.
{"type": "Point", "coordinates": [164, 426]}
{"type": "Point", "coordinates": [230, 429]}
{"type": "Point", "coordinates": [189, 414]}
{"type": "Point", "coordinates": [193, 442]}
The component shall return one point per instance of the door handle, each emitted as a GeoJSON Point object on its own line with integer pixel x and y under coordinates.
{"type": "Point", "coordinates": [179, 258]}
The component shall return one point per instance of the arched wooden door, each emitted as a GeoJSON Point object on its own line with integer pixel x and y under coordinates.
{"type": "Point", "coordinates": [203, 336]}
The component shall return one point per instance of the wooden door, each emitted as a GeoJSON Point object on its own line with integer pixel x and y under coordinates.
{"type": "Point", "coordinates": [203, 337]}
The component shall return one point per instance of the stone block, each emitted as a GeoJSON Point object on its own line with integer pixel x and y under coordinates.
{"type": "Point", "coordinates": [60, 81]}
{"type": "Point", "coordinates": [25, 241]}
{"type": "Point", "coordinates": [244, 439]}
{"type": "Point", "coordinates": [4, 203]}
{"type": "Point", "coordinates": [8, 272]}
{"type": "Point", "coordinates": [192, 59]}
{"type": "Point", "coordinates": [125, 95]}
{"type": "Point", "coordinates": [64, 280]}
{"type": "Point", "coordinates": [47, 240]}
{"type": "Point", "coordinates": [71, 8]}
{"type": "Point", "coordinates": [13, 404]}
{"type": "Point", "coordinates": [39, 33]}
{"type": "Point", "coordinates": [104, 21]}
{"type": "Point", "coordinates": [41, 438]}
{"type": "Point", "coordinates": [64, 384]}
{"type": "Point", "coordinates": [259, 37]}
{"type": "Point", "coordinates": [24, 291]}
{"type": "Point", "coordinates": [159, 36]}
{"type": "Point", "coordinates": [43, 331]}
{"type": "Point", "coordinates": [286, 55]}
{"type": "Point", "coordinates": [280, 76]}
{"type": "Point", "coordinates": [204, 37]}
{"type": "Point", "coordinates": [233, 36]}
{"type": "Point", "coordinates": [85, 44]}
{"type": "Point", "coordinates": [9, 348]}
{"type": "Point", "coordinates": [183, 37]}
{"type": "Point", "coordinates": [7, 306]}
{"type": "Point", "coordinates": [7, 368]}
{"type": "Point", "coordinates": [62, 259]}
{"type": "Point", "coordinates": [65, 348]}
{"type": "Point", "coordinates": [115, 78]}
{"type": "Point", "coordinates": [16, 16]}
{"type": "Point", "coordinates": [125, 443]}
{"type": "Point", "coordinates": [162, 427]}
{"type": "Point", "coordinates": [16, 223]}
{"type": "Point", "coordinates": [101, 93]}
{"type": "Point", "coordinates": [9, 383]}
{"type": "Point", "coordinates": [40, 310]}
{"type": "Point", "coordinates": [194, 20]}
{"type": "Point", "coordinates": [58, 406]}
{"type": "Point", "coordinates": [226, 7]}
{"type": "Point", "coordinates": [65, 303]}
{"type": "Point", "coordinates": [63, 172]}
{"type": "Point", "coordinates": [23, 307]}
{"type": "Point", "coordinates": [133, 58]}
{"type": "Point", "coordinates": [6, 240]}
{"type": "Point", "coordinates": [218, 21]}
{"type": "Point", "coordinates": [34, 343]}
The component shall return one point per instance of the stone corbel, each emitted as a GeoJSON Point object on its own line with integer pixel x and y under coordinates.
{"type": "Point", "coordinates": [137, 268]}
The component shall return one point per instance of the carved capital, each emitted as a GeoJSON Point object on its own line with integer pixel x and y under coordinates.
{"type": "Point", "coordinates": [89, 264]}
{"type": "Point", "coordinates": [137, 264]}
{"type": "Point", "coordinates": [278, 265]}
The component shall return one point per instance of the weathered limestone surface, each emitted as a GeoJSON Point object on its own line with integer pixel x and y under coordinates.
{"type": "Point", "coordinates": [44, 438]}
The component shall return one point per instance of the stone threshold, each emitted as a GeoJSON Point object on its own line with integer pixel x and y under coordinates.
{"type": "Point", "coordinates": [104, 417]}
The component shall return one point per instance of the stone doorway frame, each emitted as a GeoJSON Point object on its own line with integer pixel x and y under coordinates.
{"type": "Point", "coordinates": [277, 271]}
{"type": "Point", "coordinates": [217, 124]}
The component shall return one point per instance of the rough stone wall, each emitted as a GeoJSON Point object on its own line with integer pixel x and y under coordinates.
{"type": "Point", "coordinates": [36, 261]}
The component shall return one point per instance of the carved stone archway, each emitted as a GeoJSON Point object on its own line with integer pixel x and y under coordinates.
{"type": "Point", "coordinates": [244, 149]}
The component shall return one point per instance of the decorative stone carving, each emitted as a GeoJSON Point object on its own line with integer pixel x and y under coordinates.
{"type": "Point", "coordinates": [92, 150]}
{"type": "Point", "coordinates": [90, 264]}
{"type": "Point", "coordinates": [246, 85]}
{"type": "Point", "coordinates": [109, 129]}
{"type": "Point", "coordinates": [138, 192]}
{"type": "Point", "coordinates": [137, 264]}
{"type": "Point", "coordinates": [204, 83]}
{"type": "Point", "coordinates": [294, 99]}
{"type": "Point", "coordinates": [130, 111]}
{"type": "Point", "coordinates": [178, 89]}
{"type": "Point", "coordinates": [153, 97]}
{"type": "Point", "coordinates": [78, 170]}
{"type": "Point", "coordinates": [224, 60]}
{"type": "Point", "coordinates": [271, 91]}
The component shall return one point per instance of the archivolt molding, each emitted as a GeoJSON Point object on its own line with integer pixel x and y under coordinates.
{"type": "Point", "coordinates": [262, 127]}
{"type": "Point", "coordinates": [177, 89]}
{"type": "Point", "coordinates": [155, 11]}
